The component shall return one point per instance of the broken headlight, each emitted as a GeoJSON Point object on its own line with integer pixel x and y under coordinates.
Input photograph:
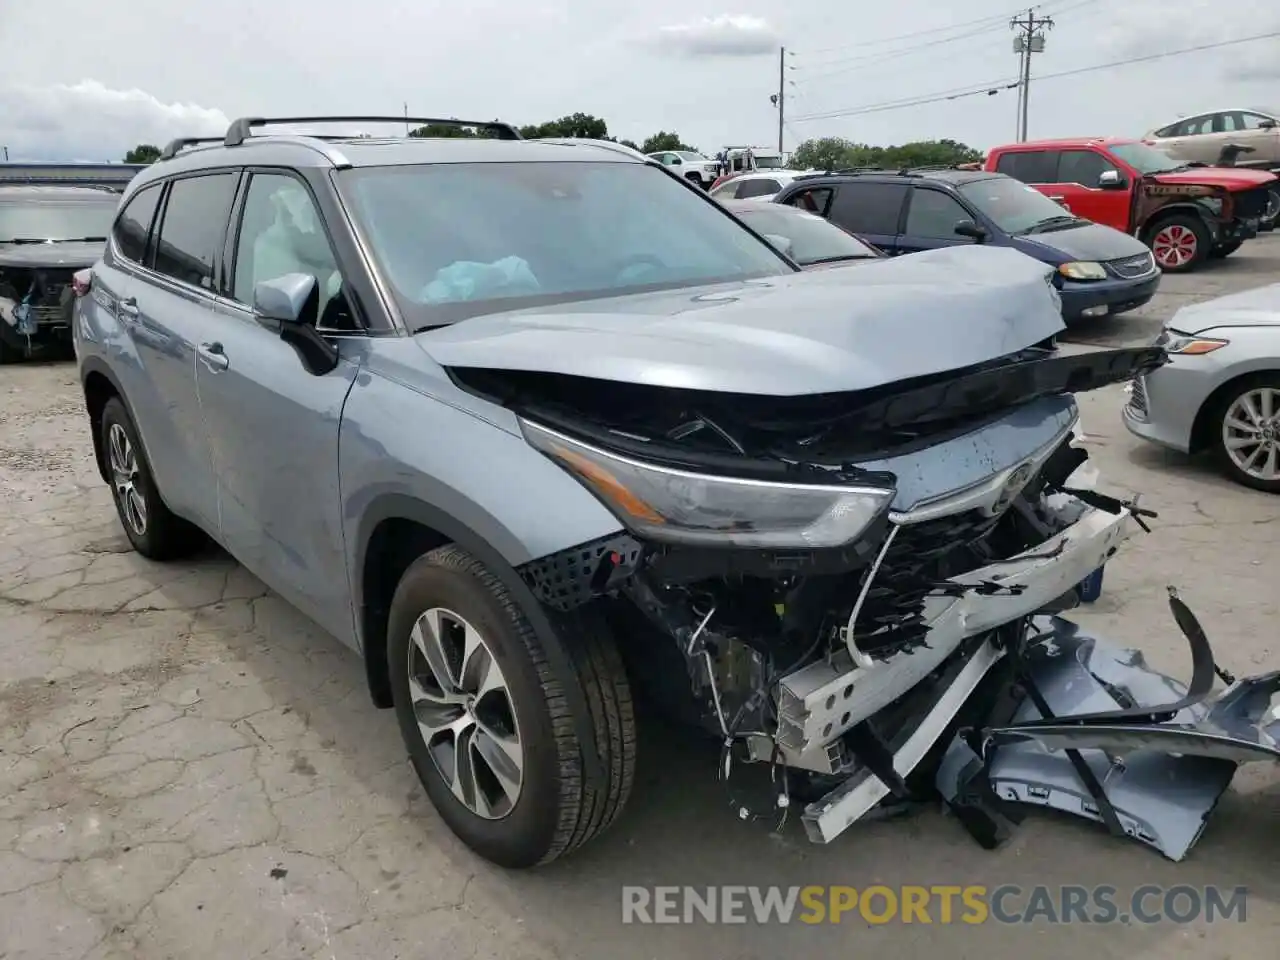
{"type": "Point", "coordinates": [676, 506]}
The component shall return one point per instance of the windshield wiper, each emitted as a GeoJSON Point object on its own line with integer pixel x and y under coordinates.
{"type": "Point", "coordinates": [1053, 223]}
{"type": "Point", "coordinates": [838, 258]}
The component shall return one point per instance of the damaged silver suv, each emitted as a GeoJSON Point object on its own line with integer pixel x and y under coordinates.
{"type": "Point", "coordinates": [534, 425]}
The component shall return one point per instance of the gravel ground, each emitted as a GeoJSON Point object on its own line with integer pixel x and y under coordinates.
{"type": "Point", "coordinates": [189, 768]}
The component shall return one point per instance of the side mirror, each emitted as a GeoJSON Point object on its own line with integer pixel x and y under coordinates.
{"type": "Point", "coordinates": [1111, 180]}
{"type": "Point", "coordinates": [967, 228]}
{"type": "Point", "coordinates": [293, 301]}
{"type": "Point", "coordinates": [676, 161]}
{"type": "Point", "coordinates": [1266, 124]}
{"type": "Point", "coordinates": [779, 243]}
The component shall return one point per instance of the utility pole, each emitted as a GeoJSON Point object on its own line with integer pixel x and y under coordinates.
{"type": "Point", "coordinates": [1030, 39]}
{"type": "Point", "coordinates": [782, 93]}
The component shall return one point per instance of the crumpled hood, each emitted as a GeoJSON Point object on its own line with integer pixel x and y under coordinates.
{"type": "Point", "coordinates": [807, 333]}
{"type": "Point", "coordinates": [1231, 178]}
{"type": "Point", "coordinates": [69, 254]}
{"type": "Point", "coordinates": [1259, 307]}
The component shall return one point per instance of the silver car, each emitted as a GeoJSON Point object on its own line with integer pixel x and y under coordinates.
{"type": "Point", "coordinates": [1220, 392]}
{"type": "Point", "coordinates": [527, 424]}
{"type": "Point", "coordinates": [1201, 138]}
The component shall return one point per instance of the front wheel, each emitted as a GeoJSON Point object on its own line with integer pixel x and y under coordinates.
{"type": "Point", "coordinates": [1179, 243]}
{"type": "Point", "coordinates": [1247, 432]}
{"type": "Point", "coordinates": [489, 730]}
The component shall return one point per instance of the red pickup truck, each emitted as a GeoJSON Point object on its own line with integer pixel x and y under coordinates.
{"type": "Point", "coordinates": [1184, 213]}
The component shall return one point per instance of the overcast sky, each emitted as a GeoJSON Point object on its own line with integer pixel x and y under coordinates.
{"type": "Point", "coordinates": [80, 79]}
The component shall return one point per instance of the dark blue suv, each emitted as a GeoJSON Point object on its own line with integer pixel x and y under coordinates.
{"type": "Point", "coordinates": [1101, 271]}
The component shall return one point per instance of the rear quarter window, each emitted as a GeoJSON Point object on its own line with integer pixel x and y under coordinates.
{"type": "Point", "coordinates": [1029, 166]}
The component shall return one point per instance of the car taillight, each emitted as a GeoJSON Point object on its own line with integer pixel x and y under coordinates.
{"type": "Point", "coordinates": [82, 282]}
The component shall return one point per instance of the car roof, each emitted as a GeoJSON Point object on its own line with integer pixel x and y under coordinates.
{"type": "Point", "coordinates": [948, 176]}
{"type": "Point", "coordinates": [242, 146]}
{"type": "Point", "coordinates": [1062, 143]}
{"type": "Point", "coordinates": [59, 194]}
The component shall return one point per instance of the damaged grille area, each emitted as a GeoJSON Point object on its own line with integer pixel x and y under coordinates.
{"type": "Point", "coordinates": [46, 294]}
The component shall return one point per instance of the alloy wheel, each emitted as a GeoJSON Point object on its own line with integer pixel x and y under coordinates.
{"type": "Point", "coordinates": [1251, 433]}
{"type": "Point", "coordinates": [465, 713]}
{"type": "Point", "coordinates": [1174, 246]}
{"type": "Point", "coordinates": [124, 478]}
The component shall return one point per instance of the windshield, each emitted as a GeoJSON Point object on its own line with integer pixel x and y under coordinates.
{"type": "Point", "coordinates": [458, 240]}
{"type": "Point", "coordinates": [689, 155]}
{"type": "Point", "coordinates": [56, 220]}
{"type": "Point", "coordinates": [1011, 205]}
{"type": "Point", "coordinates": [1145, 159]}
{"type": "Point", "coordinates": [813, 239]}
{"type": "Point", "coordinates": [768, 163]}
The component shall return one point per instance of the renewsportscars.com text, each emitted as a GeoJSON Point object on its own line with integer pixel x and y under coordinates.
{"type": "Point", "coordinates": [936, 904]}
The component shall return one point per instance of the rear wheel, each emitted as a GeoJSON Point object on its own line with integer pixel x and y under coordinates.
{"type": "Point", "coordinates": [154, 531]}
{"type": "Point", "coordinates": [491, 734]}
{"type": "Point", "coordinates": [1179, 243]}
{"type": "Point", "coordinates": [1225, 249]}
{"type": "Point", "coordinates": [1246, 427]}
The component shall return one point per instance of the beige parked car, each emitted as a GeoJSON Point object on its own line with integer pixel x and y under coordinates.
{"type": "Point", "coordinates": [1200, 139]}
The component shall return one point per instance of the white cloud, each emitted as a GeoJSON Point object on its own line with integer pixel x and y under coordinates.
{"type": "Point", "coordinates": [89, 121]}
{"type": "Point", "coordinates": [1139, 31]}
{"type": "Point", "coordinates": [727, 35]}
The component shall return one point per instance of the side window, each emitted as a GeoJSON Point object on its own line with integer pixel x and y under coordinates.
{"type": "Point", "coordinates": [934, 215]}
{"type": "Point", "coordinates": [1082, 166]}
{"type": "Point", "coordinates": [815, 201]}
{"type": "Point", "coordinates": [1196, 126]}
{"type": "Point", "coordinates": [195, 216]}
{"type": "Point", "coordinates": [1029, 166]}
{"type": "Point", "coordinates": [872, 208]}
{"type": "Point", "coordinates": [1169, 131]}
{"type": "Point", "coordinates": [758, 188]}
{"type": "Point", "coordinates": [281, 233]}
{"type": "Point", "coordinates": [133, 226]}
{"type": "Point", "coordinates": [1249, 121]}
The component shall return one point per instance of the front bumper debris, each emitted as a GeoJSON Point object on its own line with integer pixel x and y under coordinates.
{"type": "Point", "coordinates": [1103, 736]}
{"type": "Point", "coordinates": [822, 701]}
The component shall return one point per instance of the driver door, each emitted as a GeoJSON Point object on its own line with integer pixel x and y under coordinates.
{"type": "Point", "coordinates": [272, 425]}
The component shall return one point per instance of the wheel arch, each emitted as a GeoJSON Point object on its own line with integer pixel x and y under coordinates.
{"type": "Point", "coordinates": [1201, 437]}
{"type": "Point", "coordinates": [1179, 208]}
{"type": "Point", "coordinates": [100, 385]}
{"type": "Point", "coordinates": [397, 528]}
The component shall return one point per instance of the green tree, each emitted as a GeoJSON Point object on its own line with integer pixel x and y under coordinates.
{"type": "Point", "coordinates": [143, 153]}
{"type": "Point", "coordinates": [662, 140]}
{"type": "Point", "coordinates": [580, 125]}
{"type": "Point", "coordinates": [834, 153]}
{"type": "Point", "coordinates": [629, 143]}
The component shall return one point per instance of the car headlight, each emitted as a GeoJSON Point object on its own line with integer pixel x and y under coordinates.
{"type": "Point", "coordinates": [1187, 344]}
{"type": "Point", "coordinates": [1083, 270]}
{"type": "Point", "coordinates": [676, 506]}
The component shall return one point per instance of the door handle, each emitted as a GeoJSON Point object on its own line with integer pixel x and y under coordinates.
{"type": "Point", "coordinates": [128, 308]}
{"type": "Point", "coordinates": [213, 357]}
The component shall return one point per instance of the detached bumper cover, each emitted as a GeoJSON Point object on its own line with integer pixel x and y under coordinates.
{"type": "Point", "coordinates": [1155, 782]}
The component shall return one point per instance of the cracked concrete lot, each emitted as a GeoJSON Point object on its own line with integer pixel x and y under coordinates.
{"type": "Point", "coordinates": [189, 769]}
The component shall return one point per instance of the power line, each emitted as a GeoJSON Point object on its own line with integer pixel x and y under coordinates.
{"type": "Point", "coordinates": [854, 64]}
{"type": "Point", "coordinates": [989, 20]}
{"type": "Point", "coordinates": [997, 86]}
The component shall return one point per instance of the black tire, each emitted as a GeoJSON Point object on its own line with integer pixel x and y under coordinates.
{"type": "Point", "coordinates": [1216, 423]}
{"type": "Point", "coordinates": [556, 810]}
{"type": "Point", "coordinates": [1176, 223]}
{"type": "Point", "coordinates": [1225, 249]}
{"type": "Point", "coordinates": [163, 534]}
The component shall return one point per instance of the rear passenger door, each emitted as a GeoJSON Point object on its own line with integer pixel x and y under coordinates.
{"type": "Point", "coordinates": [272, 425]}
{"type": "Point", "coordinates": [873, 211]}
{"type": "Point", "coordinates": [1078, 183]}
{"type": "Point", "coordinates": [169, 312]}
{"type": "Point", "coordinates": [932, 216]}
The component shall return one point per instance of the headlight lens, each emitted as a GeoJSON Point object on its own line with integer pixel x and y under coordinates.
{"type": "Point", "coordinates": [676, 506]}
{"type": "Point", "coordinates": [1186, 344]}
{"type": "Point", "coordinates": [1083, 270]}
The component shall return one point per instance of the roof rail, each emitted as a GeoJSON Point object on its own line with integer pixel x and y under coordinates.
{"type": "Point", "coordinates": [241, 129]}
{"type": "Point", "coordinates": [174, 147]}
